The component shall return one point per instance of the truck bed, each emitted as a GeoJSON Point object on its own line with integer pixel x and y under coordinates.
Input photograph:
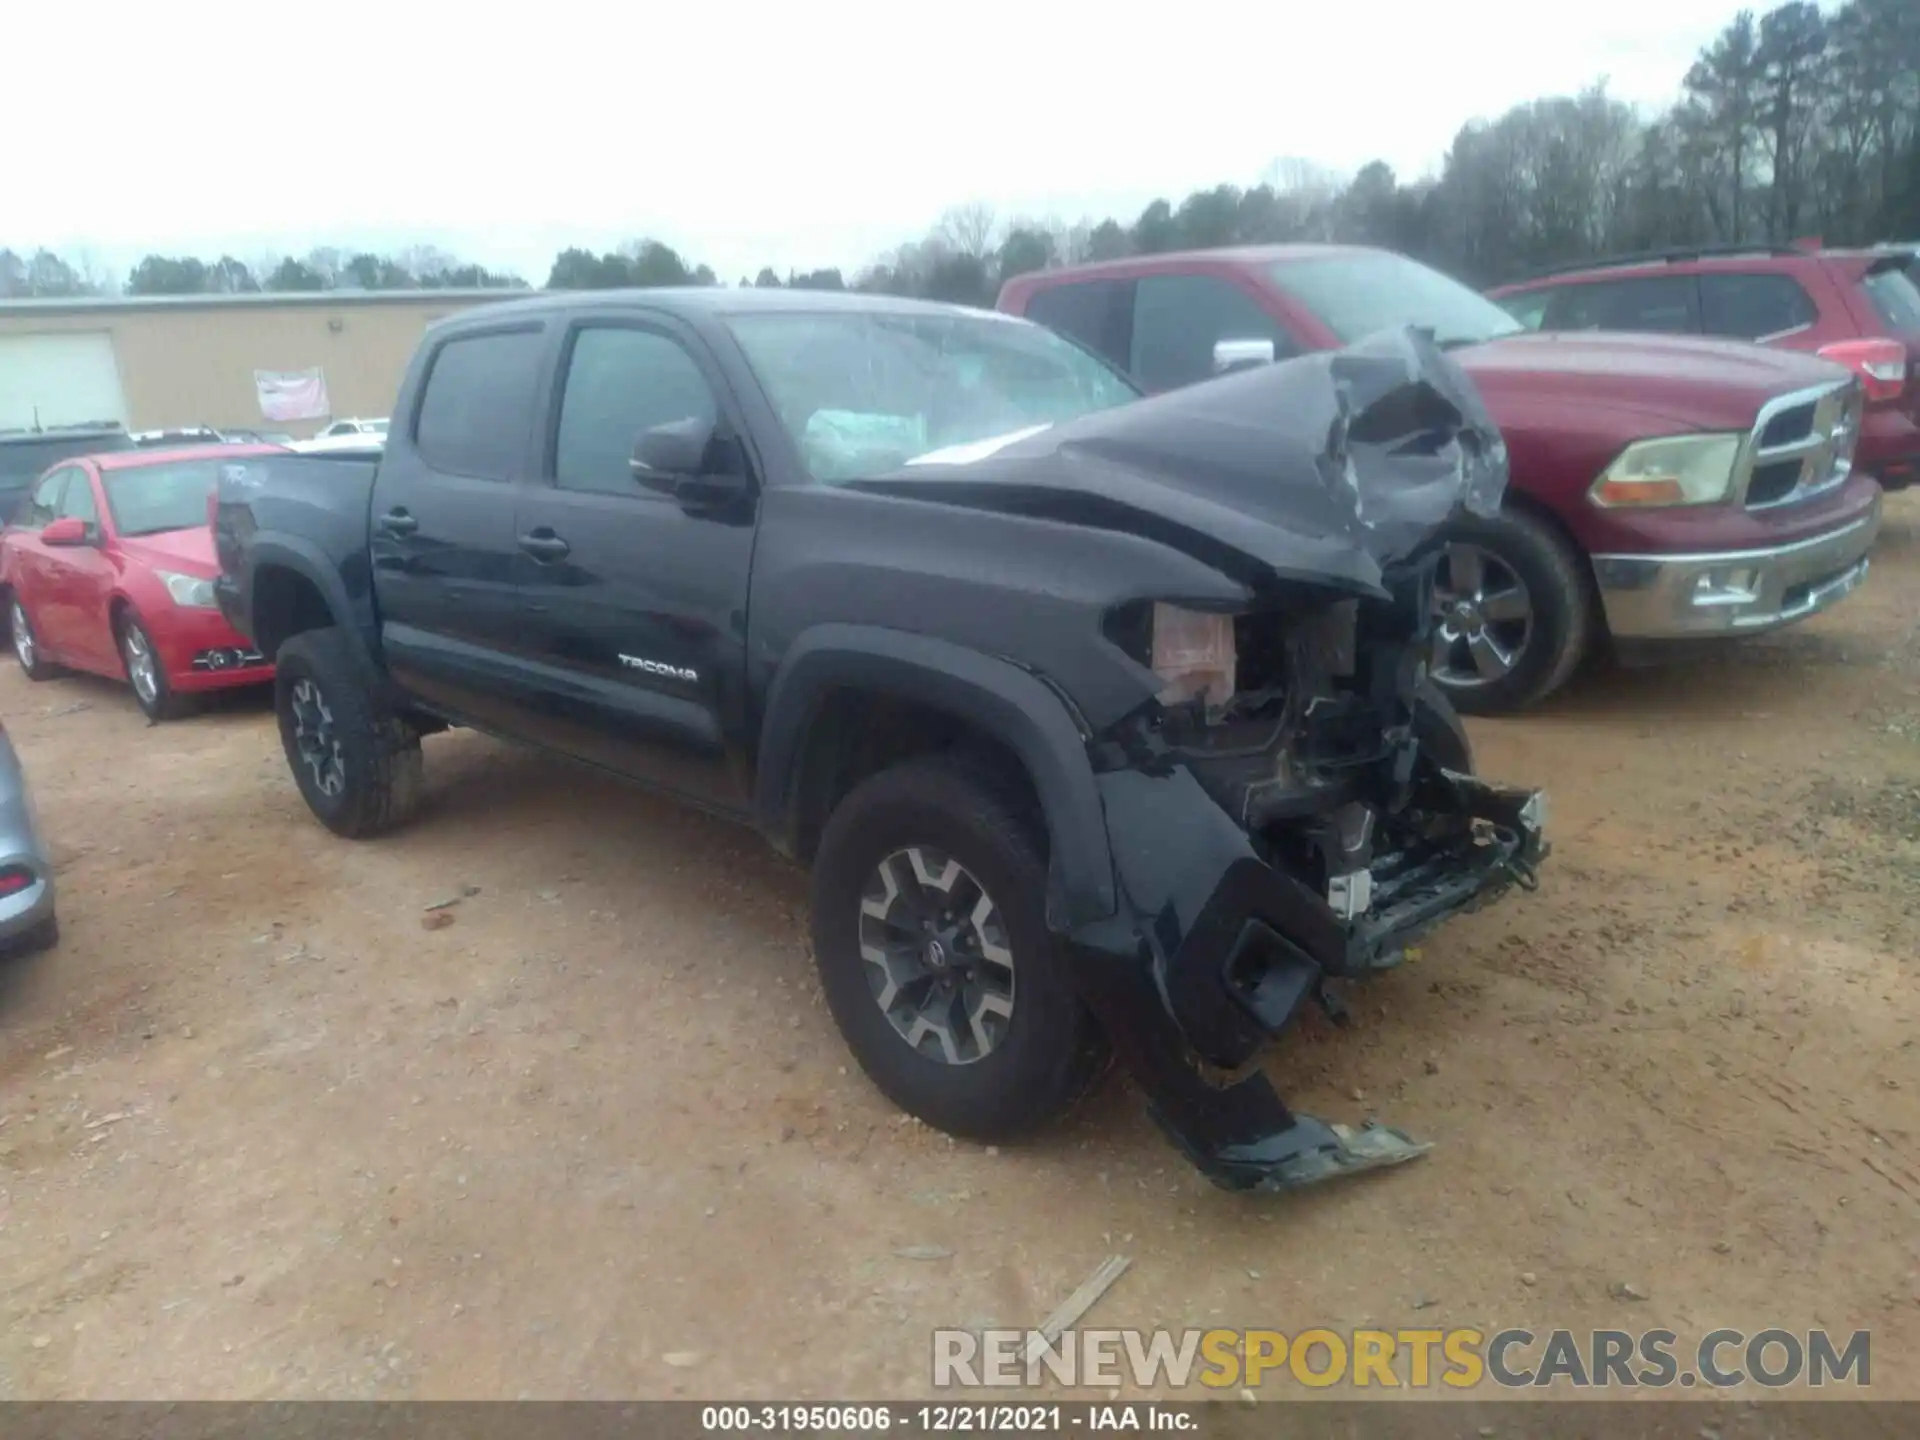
{"type": "Point", "coordinates": [317, 505]}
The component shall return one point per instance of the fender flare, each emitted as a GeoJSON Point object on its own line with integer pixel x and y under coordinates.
{"type": "Point", "coordinates": [268, 549]}
{"type": "Point", "coordinates": [1012, 705]}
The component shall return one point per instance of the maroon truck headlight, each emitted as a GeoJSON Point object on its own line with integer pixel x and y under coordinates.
{"type": "Point", "coordinates": [1670, 470]}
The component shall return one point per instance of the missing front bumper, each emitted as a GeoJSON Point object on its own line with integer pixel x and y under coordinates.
{"type": "Point", "coordinates": [1409, 896]}
{"type": "Point", "coordinates": [1216, 951]}
{"type": "Point", "coordinates": [1310, 1151]}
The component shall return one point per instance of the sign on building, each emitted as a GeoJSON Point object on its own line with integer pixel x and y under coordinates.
{"type": "Point", "coordinates": [292, 394]}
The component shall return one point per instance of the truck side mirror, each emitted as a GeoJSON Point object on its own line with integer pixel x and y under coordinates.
{"type": "Point", "coordinates": [689, 460]}
{"type": "Point", "coordinates": [1241, 354]}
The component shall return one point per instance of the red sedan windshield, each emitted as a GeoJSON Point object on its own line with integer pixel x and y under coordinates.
{"type": "Point", "coordinates": [152, 499]}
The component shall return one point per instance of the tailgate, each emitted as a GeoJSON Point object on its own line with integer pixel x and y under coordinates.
{"type": "Point", "coordinates": [322, 500]}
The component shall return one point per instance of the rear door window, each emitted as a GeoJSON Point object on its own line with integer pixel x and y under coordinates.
{"type": "Point", "coordinates": [1178, 319]}
{"type": "Point", "coordinates": [1096, 313]}
{"type": "Point", "coordinates": [1666, 304]}
{"type": "Point", "coordinates": [1753, 307]}
{"type": "Point", "coordinates": [477, 409]}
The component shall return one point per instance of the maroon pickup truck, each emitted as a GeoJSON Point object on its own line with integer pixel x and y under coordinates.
{"type": "Point", "coordinates": [1662, 488]}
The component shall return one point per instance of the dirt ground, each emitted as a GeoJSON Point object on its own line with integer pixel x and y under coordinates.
{"type": "Point", "coordinates": [264, 1135]}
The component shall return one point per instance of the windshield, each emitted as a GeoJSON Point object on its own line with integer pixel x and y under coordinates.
{"type": "Point", "coordinates": [377, 427]}
{"type": "Point", "coordinates": [151, 499]}
{"type": "Point", "coordinates": [863, 393]}
{"type": "Point", "coordinates": [1355, 295]}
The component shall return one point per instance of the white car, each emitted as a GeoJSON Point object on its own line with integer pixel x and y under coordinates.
{"type": "Point", "coordinates": [183, 435]}
{"type": "Point", "coordinates": [351, 442]}
{"type": "Point", "coordinates": [352, 426]}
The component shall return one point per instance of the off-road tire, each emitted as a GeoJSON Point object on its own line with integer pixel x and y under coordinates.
{"type": "Point", "coordinates": [1561, 590]}
{"type": "Point", "coordinates": [38, 667]}
{"type": "Point", "coordinates": [379, 753]}
{"type": "Point", "coordinates": [1052, 1051]}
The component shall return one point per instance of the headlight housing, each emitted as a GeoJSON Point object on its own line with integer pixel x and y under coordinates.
{"type": "Point", "coordinates": [1670, 470]}
{"type": "Point", "coordinates": [1194, 654]}
{"type": "Point", "coordinates": [188, 590]}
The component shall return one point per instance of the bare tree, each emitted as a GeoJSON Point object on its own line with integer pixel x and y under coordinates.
{"type": "Point", "coordinates": [92, 275]}
{"type": "Point", "coordinates": [969, 229]}
{"type": "Point", "coordinates": [1293, 175]}
{"type": "Point", "coordinates": [1793, 64]}
{"type": "Point", "coordinates": [1073, 243]}
{"type": "Point", "coordinates": [425, 262]}
{"type": "Point", "coordinates": [1723, 111]}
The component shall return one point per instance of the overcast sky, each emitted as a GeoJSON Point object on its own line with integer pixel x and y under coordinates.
{"type": "Point", "coordinates": [741, 133]}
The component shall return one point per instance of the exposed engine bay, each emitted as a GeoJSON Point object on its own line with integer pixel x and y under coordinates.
{"type": "Point", "coordinates": [1298, 819]}
{"type": "Point", "coordinates": [1287, 800]}
{"type": "Point", "coordinates": [1294, 808]}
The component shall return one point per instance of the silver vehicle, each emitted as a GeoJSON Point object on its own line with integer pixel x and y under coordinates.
{"type": "Point", "coordinates": [27, 920]}
{"type": "Point", "coordinates": [356, 426]}
{"type": "Point", "coordinates": [367, 446]}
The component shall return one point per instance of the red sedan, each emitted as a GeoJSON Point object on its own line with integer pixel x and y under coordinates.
{"type": "Point", "coordinates": [109, 568]}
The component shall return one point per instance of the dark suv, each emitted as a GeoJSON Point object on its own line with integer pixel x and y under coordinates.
{"type": "Point", "coordinates": [1860, 308]}
{"type": "Point", "coordinates": [26, 454]}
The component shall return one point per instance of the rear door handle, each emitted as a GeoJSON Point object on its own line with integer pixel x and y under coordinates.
{"type": "Point", "coordinates": [398, 522]}
{"type": "Point", "coordinates": [544, 546]}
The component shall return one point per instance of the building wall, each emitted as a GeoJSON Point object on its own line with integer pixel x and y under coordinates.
{"type": "Point", "coordinates": [193, 363]}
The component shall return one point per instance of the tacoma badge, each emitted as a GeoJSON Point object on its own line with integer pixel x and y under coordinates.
{"type": "Point", "coordinates": [659, 667]}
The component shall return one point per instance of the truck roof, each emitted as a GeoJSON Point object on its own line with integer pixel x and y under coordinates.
{"type": "Point", "coordinates": [1226, 255]}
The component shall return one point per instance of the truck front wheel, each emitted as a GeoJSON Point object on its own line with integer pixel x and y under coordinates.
{"type": "Point", "coordinates": [1512, 613]}
{"type": "Point", "coordinates": [930, 934]}
{"type": "Point", "coordinates": [358, 770]}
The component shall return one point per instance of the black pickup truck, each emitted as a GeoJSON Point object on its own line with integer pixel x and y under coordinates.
{"type": "Point", "coordinates": [1103, 722]}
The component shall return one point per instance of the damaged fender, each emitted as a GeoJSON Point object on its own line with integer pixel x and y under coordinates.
{"type": "Point", "coordinates": [1214, 946]}
{"type": "Point", "coordinates": [1300, 506]}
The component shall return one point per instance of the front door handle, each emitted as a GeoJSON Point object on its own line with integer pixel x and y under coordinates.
{"type": "Point", "coordinates": [398, 522]}
{"type": "Point", "coordinates": [544, 546]}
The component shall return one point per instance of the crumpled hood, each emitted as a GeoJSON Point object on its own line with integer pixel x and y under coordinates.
{"type": "Point", "coordinates": [1700, 383]}
{"type": "Point", "coordinates": [1326, 468]}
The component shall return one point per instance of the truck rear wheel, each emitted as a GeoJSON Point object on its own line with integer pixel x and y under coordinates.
{"type": "Point", "coordinates": [930, 934]}
{"type": "Point", "coordinates": [1513, 613]}
{"type": "Point", "coordinates": [359, 771]}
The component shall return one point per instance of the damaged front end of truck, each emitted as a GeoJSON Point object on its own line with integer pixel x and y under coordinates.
{"type": "Point", "coordinates": [1288, 801]}
{"type": "Point", "coordinates": [1294, 806]}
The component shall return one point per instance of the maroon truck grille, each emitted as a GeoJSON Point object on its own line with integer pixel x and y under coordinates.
{"type": "Point", "coordinates": [1802, 445]}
